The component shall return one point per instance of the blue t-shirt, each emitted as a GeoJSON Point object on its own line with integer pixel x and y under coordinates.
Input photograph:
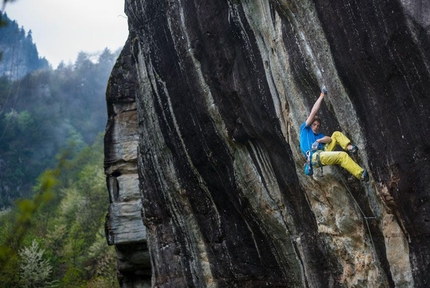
{"type": "Point", "coordinates": [307, 137]}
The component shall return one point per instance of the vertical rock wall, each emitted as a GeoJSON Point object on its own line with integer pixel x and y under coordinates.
{"type": "Point", "coordinates": [211, 95]}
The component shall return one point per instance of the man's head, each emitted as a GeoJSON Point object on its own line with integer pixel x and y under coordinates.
{"type": "Point", "coordinates": [316, 124]}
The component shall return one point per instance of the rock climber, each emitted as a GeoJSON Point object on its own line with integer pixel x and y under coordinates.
{"type": "Point", "coordinates": [322, 146]}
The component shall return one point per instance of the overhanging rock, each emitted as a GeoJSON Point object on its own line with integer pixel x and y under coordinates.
{"type": "Point", "coordinates": [220, 89]}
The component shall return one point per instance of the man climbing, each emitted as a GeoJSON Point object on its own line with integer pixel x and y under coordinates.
{"type": "Point", "coordinates": [321, 147]}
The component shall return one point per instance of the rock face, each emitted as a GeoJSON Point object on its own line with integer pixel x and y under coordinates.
{"type": "Point", "coordinates": [202, 155]}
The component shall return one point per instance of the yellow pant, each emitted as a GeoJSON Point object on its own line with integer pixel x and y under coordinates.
{"type": "Point", "coordinates": [330, 157]}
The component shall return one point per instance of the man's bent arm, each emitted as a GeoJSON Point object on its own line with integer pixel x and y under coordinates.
{"type": "Point", "coordinates": [324, 140]}
{"type": "Point", "coordinates": [315, 109]}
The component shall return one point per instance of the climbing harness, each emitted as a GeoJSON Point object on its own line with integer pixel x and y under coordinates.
{"type": "Point", "coordinates": [308, 167]}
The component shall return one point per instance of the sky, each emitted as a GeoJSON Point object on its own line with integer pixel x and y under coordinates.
{"type": "Point", "coordinates": [63, 28]}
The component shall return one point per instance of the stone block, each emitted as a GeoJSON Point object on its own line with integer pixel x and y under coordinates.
{"type": "Point", "coordinates": [124, 223]}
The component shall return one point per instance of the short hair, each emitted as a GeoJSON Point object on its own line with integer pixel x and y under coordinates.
{"type": "Point", "coordinates": [316, 118]}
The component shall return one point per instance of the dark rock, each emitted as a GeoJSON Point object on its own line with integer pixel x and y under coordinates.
{"type": "Point", "coordinates": [220, 91]}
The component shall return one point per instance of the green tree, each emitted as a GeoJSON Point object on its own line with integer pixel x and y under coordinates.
{"type": "Point", "coordinates": [41, 113]}
{"type": "Point", "coordinates": [20, 222]}
{"type": "Point", "coordinates": [69, 227]}
{"type": "Point", "coordinates": [34, 270]}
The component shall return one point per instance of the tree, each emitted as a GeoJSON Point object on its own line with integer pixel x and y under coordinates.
{"type": "Point", "coordinates": [34, 270]}
{"type": "Point", "coordinates": [20, 55]}
{"type": "Point", "coordinates": [69, 226]}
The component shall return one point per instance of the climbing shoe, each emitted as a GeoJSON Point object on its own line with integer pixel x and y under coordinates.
{"type": "Point", "coordinates": [324, 90]}
{"type": "Point", "coordinates": [353, 149]}
{"type": "Point", "coordinates": [365, 176]}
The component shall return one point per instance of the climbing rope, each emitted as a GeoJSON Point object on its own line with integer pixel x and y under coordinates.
{"type": "Point", "coordinates": [364, 215]}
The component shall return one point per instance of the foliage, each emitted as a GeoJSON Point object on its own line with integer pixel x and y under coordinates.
{"type": "Point", "coordinates": [34, 270]}
{"type": "Point", "coordinates": [52, 208]}
{"type": "Point", "coordinates": [18, 222]}
{"type": "Point", "coordinates": [45, 111]}
{"type": "Point", "coordinates": [20, 54]}
{"type": "Point", "coordinates": [68, 227]}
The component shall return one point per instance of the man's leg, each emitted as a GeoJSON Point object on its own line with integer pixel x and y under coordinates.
{"type": "Point", "coordinates": [340, 158]}
{"type": "Point", "coordinates": [337, 138]}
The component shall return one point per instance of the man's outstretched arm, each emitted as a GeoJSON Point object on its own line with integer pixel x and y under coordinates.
{"type": "Point", "coordinates": [315, 109]}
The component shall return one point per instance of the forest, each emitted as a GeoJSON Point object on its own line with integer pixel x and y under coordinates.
{"type": "Point", "coordinates": [18, 52]}
{"type": "Point", "coordinates": [53, 197]}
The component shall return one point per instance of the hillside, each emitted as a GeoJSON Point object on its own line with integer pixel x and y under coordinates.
{"type": "Point", "coordinates": [52, 190]}
{"type": "Point", "coordinates": [45, 110]}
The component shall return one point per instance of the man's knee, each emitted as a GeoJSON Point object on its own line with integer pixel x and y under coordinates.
{"type": "Point", "coordinates": [336, 134]}
{"type": "Point", "coordinates": [343, 155]}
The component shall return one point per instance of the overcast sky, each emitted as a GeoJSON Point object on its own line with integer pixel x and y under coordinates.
{"type": "Point", "coordinates": [63, 28]}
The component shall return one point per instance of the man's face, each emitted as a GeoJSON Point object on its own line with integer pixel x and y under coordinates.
{"type": "Point", "coordinates": [315, 126]}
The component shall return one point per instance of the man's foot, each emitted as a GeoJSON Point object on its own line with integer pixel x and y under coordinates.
{"type": "Point", "coordinates": [324, 90]}
{"type": "Point", "coordinates": [365, 176]}
{"type": "Point", "coordinates": [353, 149]}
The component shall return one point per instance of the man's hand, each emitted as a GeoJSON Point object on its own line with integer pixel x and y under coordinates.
{"type": "Point", "coordinates": [324, 90]}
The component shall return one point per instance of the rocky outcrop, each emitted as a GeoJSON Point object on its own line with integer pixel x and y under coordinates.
{"type": "Point", "coordinates": [124, 226]}
{"type": "Point", "coordinates": [205, 105]}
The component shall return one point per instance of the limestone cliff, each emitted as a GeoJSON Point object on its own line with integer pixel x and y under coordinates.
{"type": "Point", "coordinates": [202, 155]}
